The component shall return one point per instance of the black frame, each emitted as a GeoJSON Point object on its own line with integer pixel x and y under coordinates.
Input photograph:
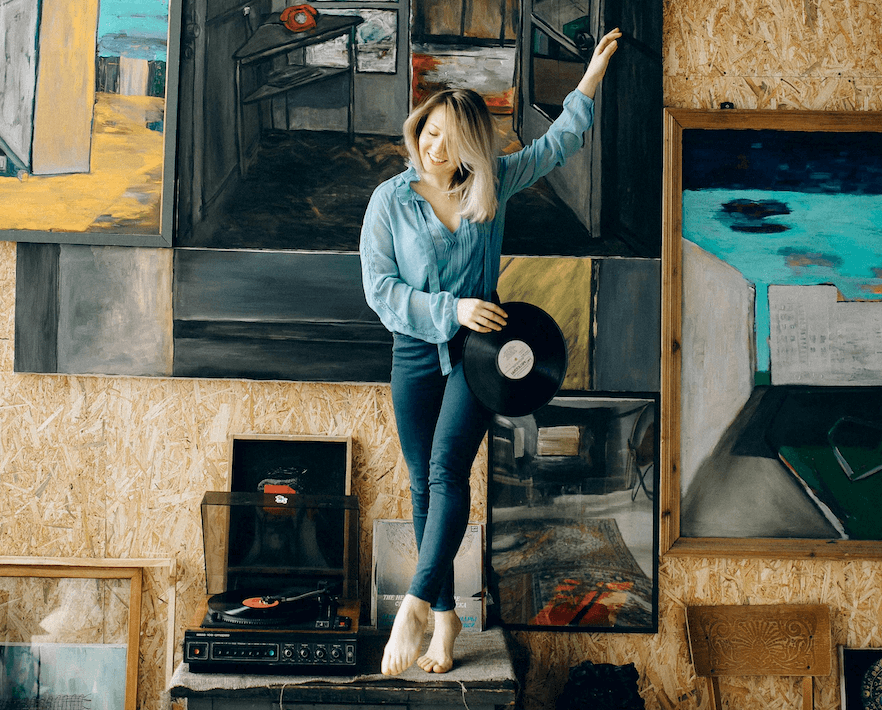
{"type": "Point", "coordinates": [620, 405]}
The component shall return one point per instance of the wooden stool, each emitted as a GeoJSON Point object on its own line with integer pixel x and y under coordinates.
{"type": "Point", "coordinates": [781, 640]}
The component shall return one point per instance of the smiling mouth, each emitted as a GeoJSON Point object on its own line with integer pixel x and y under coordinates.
{"type": "Point", "coordinates": [434, 160]}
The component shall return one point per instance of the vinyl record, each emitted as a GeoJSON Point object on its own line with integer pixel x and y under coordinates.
{"type": "Point", "coordinates": [518, 369]}
{"type": "Point", "coordinates": [247, 608]}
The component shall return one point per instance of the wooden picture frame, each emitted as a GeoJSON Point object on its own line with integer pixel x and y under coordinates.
{"type": "Point", "coordinates": [88, 145]}
{"type": "Point", "coordinates": [34, 570]}
{"type": "Point", "coordinates": [682, 349]}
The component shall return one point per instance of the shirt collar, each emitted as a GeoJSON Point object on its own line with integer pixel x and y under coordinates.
{"type": "Point", "coordinates": [404, 192]}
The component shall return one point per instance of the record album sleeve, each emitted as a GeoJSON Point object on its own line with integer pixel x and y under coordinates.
{"type": "Point", "coordinates": [394, 564]}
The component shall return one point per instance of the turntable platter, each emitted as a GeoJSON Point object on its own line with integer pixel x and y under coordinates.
{"type": "Point", "coordinates": [251, 608]}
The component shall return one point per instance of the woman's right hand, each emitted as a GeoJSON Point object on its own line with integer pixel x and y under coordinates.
{"type": "Point", "coordinates": [480, 316]}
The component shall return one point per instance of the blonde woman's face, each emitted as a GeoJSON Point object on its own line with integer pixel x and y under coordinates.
{"type": "Point", "coordinates": [432, 146]}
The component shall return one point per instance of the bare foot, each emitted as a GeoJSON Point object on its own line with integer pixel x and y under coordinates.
{"type": "Point", "coordinates": [406, 638]}
{"type": "Point", "coordinates": [439, 656]}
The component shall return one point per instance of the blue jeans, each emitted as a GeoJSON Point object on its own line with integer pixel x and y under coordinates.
{"type": "Point", "coordinates": [440, 427]}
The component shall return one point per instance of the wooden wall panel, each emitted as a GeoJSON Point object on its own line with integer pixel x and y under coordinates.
{"type": "Point", "coordinates": [94, 466]}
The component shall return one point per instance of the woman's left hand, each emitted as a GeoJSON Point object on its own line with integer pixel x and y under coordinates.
{"type": "Point", "coordinates": [480, 316]}
{"type": "Point", "coordinates": [605, 48]}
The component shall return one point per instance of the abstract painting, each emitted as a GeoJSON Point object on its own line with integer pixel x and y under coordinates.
{"type": "Point", "coordinates": [74, 677]}
{"type": "Point", "coordinates": [775, 388]}
{"type": "Point", "coordinates": [88, 121]}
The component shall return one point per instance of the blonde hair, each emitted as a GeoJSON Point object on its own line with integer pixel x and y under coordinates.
{"type": "Point", "coordinates": [470, 142]}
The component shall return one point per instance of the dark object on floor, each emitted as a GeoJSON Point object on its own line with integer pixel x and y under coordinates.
{"type": "Point", "coordinates": [601, 686]}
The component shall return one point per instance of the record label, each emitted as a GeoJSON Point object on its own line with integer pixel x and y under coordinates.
{"type": "Point", "coordinates": [258, 603]}
{"type": "Point", "coordinates": [515, 360]}
{"type": "Point", "coordinates": [518, 369]}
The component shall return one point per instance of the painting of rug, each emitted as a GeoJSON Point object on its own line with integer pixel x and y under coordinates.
{"type": "Point", "coordinates": [577, 574]}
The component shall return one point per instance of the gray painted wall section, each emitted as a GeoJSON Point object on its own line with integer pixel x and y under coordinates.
{"type": "Point", "coordinates": [115, 310]}
{"type": "Point", "coordinates": [718, 359]}
{"type": "Point", "coordinates": [627, 334]}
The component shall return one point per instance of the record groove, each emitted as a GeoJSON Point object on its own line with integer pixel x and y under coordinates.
{"type": "Point", "coordinates": [516, 370]}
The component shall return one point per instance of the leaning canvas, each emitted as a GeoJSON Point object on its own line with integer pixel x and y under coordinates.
{"type": "Point", "coordinates": [394, 563]}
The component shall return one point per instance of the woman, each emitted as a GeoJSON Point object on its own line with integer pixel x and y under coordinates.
{"type": "Point", "coordinates": [430, 249]}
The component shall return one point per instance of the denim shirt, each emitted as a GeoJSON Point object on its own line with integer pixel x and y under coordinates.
{"type": "Point", "coordinates": [411, 289]}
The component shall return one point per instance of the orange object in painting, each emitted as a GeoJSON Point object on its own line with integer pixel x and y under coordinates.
{"type": "Point", "coordinates": [298, 18]}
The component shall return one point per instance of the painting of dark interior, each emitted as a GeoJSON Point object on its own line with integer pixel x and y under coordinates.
{"type": "Point", "coordinates": [573, 539]}
{"type": "Point", "coordinates": [284, 135]}
{"type": "Point", "coordinates": [294, 170]}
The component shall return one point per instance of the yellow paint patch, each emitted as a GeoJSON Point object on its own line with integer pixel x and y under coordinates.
{"type": "Point", "coordinates": [551, 283]}
{"type": "Point", "coordinates": [123, 189]}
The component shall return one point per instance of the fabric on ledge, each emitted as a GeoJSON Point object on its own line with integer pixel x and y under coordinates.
{"type": "Point", "coordinates": [477, 657]}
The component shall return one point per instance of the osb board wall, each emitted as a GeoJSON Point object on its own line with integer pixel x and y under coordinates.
{"type": "Point", "coordinates": [795, 54]}
{"type": "Point", "coordinates": [116, 467]}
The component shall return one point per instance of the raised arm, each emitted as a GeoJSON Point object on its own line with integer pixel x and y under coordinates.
{"type": "Point", "coordinates": [605, 48]}
{"type": "Point", "coordinates": [565, 135]}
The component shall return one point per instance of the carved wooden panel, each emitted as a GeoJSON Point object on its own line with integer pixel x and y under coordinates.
{"type": "Point", "coordinates": [785, 640]}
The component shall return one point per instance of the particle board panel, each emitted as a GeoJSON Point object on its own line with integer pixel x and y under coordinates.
{"type": "Point", "coordinates": [775, 92]}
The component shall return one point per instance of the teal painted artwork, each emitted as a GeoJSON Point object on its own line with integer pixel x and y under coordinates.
{"type": "Point", "coordinates": [782, 208]}
{"type": "Point", "coordinates": [133, 28]}
{"type": "Point", "coordinates": [70, 676]}
{"type": "Point", "coordinates": [782, 376]}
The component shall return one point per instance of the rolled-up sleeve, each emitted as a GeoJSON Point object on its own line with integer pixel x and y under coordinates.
{"type": "Point", "coordinates": [388, 276]}
{"type": "Point", "coordinates": [562, 140]}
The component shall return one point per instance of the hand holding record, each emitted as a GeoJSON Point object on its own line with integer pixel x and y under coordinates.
{"type": "Point", "coordinates": [480, 316]}
{"type": "Point", "coordinates": [519, 368]}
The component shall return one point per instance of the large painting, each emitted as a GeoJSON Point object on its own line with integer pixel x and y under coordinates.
{"type": "Point", "coordinates": [88, 118]}
{"type": "Point", "coordinates": [282, 138]}
{"type": "Point", "coordinates": [773, 332]}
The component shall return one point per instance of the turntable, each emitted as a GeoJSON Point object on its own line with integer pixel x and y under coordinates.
{"type": "Point", "coordinates": [281, 579]}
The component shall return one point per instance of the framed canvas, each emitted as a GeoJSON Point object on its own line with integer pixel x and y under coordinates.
{"type": "Point", "coordinates": [89, 120]}
{"type": "Point", "coordinates": [572, 531]}
{"type": "Point", "coordinates": [860, 678]}
{"type": "Point", "coordinates": [771, 365]}
{"type": "Point", "coordinates": [71, 630]}
{"type": "Point", "coordinates": [308, 465]}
